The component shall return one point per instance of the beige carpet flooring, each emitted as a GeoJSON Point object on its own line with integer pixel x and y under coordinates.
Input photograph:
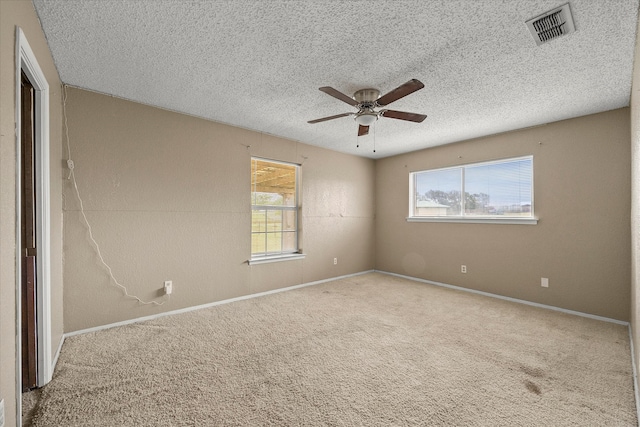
{"type": "Point", "coordinates": [370, 350]}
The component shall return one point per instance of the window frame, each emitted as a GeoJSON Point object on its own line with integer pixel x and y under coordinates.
{"type": "Point", "coordinates": [282, 255]}
{"type": "Point", "coordinates": [463, 218]}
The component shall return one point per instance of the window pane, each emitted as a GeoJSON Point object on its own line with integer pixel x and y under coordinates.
{"type": "Point", "coordinates": [289, 222]}
{"type": "Point", "coordinates": [273, 184]}
{"type": "Point", "coordinates": [258, 221]}
{"type": "Point", "coordinates": [499, 188]}
{"type": "Point", "coordinates": [493, 189]}
{"type": "Point", "coordinates": [274, 220]}
{"type": "Point", "coordinates": [274, 217]}
{"type": "Point", "coordinates": [274, 242]}
{"type": "Point", "coordinates": [289, 241]}
{"type": "Point", "coordinates": [258, 243]}
{"type": "Point", "coordinates": [438, 192]}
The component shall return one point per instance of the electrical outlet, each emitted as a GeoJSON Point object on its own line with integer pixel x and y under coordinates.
{"type": "Point", "coordinates": [2, 413]}
{"type": "Point", "coordinates": [463, 269]}
{"type": "Point", "coordinates": [168, 287]}
{"type": "Point", "coordinates": [544, 282]}
{"type": "Point", "coordinates": [335, 261]}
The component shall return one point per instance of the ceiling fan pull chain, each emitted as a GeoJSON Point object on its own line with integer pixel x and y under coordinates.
{"type": "Point", "coordinates": [374, 137]}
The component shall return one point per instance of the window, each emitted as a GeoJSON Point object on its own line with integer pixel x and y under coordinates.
{"type": "Point", "coordinates": [274, 209]}
{"type": "Point", "coordinates": [498, 191]}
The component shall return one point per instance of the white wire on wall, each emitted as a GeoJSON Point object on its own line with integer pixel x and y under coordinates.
{"type": "Point", "coordinates": [72, 177]}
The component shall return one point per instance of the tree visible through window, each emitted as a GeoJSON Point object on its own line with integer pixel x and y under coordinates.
{"type": "Point", "coordinates": [274, 208]}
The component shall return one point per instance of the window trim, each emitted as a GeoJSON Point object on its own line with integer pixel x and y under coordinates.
{"type": "Point", "coordinates": [471, 219]}
{"type": "Point", "coordinates": [284, 256]}
{"type": "Point", "coordinates": [276, 258]}
{"type": "Point", "coordinates": [479, 220]}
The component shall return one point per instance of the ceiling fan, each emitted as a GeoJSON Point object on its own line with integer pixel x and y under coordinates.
{"type": "Point", "coordinates": [366, 100]}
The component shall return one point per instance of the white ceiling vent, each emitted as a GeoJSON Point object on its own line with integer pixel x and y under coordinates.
{"type": "Point", "coordinates": [552, 24]}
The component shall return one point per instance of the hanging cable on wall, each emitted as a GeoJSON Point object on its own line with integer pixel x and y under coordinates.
{"type": "Point", "coordinates": [72, 177]}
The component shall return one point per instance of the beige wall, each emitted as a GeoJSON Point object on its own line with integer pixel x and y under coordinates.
{"type": "Point", "coordinates": [167, 196]}
{"type": "Point", "coordinates": [21, 13]}
{"type": "Point", "coordinates": [581, 243]}
{"type": "Point", "coordinates": [635, 203]}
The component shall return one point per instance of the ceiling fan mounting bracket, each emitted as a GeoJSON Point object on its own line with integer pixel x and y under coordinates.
{"type": "Point", "coordinates": [366, 96]}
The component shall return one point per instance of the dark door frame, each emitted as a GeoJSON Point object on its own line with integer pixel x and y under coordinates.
{"type": "Point", "coordinates": [28, 246]}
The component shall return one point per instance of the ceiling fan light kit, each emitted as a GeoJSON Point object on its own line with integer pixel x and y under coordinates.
{"type": "Point", "coordinates": [366, 118]}
{"type": "Point", "coordinates": [366, 100]}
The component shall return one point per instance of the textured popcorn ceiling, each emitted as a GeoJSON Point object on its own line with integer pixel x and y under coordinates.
{"type": "Point", "coordinates": [259, 64]}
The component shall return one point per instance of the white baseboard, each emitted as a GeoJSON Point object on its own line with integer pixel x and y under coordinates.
{"type": "Point", "coordinates": [502, 297]}
{"type": "Point", "coordinates": [200, 307]}
{"type": "Point", "coordinates": [57, 355]}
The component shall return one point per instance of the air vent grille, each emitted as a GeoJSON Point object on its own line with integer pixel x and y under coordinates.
{"type": "Point", "coordinates": [551, 25]}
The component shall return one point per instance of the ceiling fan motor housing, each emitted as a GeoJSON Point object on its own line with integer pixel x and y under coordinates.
{"type": "Point", "coordinates": [366, 96]}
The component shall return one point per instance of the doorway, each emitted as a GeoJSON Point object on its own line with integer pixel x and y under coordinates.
{"type": "Point", "coordinates": [34, 361]}
{"type": "Point", "coordinates": [28, 241]}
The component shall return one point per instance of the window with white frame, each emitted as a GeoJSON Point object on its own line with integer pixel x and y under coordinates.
{"type": "Point", "coordinates": [274, 209]}
{"type": "Point", "coordinates": [501, 189]}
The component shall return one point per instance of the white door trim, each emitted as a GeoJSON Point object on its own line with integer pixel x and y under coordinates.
{"type": "Point", "coordinates": [26, 61]}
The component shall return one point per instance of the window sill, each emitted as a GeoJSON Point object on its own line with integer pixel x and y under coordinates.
{"type": "Point", "coordinates": [275, 258]}
{"type": "Point", "coordinates": [471, 220]}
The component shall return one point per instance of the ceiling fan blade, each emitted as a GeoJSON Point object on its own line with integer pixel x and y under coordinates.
{"type": "Point", "coordinates": [339, 95]}
{"type": "Point", "coordinates": [399, 92]}
{"type": "Point", "coordinates": [401, 115]}
{"type": "Point", "coordinates": [324, 119]}
{"type": "Point", "coordinates": [363, 130]}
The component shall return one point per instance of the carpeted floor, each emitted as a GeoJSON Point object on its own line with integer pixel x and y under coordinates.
{"type": "Point", "coordinates": [370, 350]}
